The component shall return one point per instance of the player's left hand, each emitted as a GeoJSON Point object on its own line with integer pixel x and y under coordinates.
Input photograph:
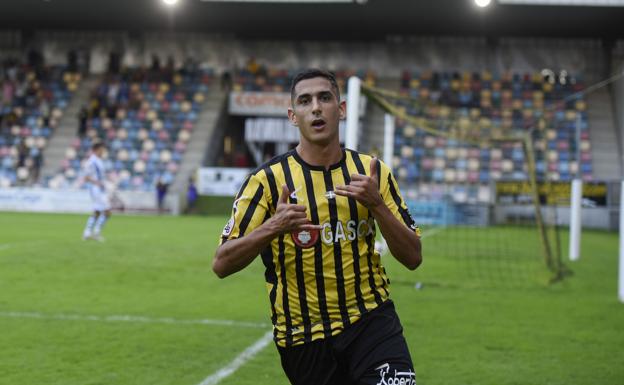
{"type": "Point", "coordinates": [364, 188]}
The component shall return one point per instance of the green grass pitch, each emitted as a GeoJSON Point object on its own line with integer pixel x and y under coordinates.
{"type": "Point", "coordinates": [466, 325]}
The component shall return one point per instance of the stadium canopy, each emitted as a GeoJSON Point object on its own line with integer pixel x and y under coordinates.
{"type": "Point", "coordinates": [325, 19]}
{"type": "Point", "coordinates": [280, 1]}
{"type": "Point", "coordinates": [567, 3]}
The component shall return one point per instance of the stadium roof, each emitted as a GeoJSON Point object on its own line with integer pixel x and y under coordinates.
{"type": "Point", "coordinates": [340, 21]}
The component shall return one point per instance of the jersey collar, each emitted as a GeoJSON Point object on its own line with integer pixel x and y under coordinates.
{"type": "Point", "coordinates": [304, 164]}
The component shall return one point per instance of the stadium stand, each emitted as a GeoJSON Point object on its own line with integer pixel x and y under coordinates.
{"type": "Point", "coordinates": [484, 105]}
{"type": "Point", "coordinates": [32, 102]}
{"type": "Point", "coordinates": [145, 116]}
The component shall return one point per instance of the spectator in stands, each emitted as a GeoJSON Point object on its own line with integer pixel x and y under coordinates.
{"type": "Point", "coordinates": [20, 94]}
{"type": "Point", "coordinates": [83, 116]}
{"type": "Point", "coordinates": [191, 196]}
{"type": "Point", "coordinates": [114, 62]}
{"type": "Point", "coordinates": [8, 88]}
{"type": "Point", "coordinates": [84, 59]}
{"type": "Point", "coordinates": [10, 119]}
{"type": "Point", "coordinates": [226, 81]}
{"type": "Point", "coordinates": [241, 159]}
{"type": "Point", "coordinates": [72, 60]}
{"type": "Point", "coordinates": [44, 109]}
{"type": "Point", "coordinates": [154, 74]}
{"type": "Point", "coordinates": [22, 153]}
{"type": "Point", "coordinates": [37, 157]}
{"type": "Point", "coordinates": [189, 67]}
{"type": "Point", "coordinates": [169, 70]}
{"type": "Point", "coordinates": [161, 192]}
{"type": "Point", "coordinates": [36, 61]}
{"type": "Point", "coordinates": [112, 93]}
{"type": "Point", "coordinates": [94, 106]}
{"type": "Point", "coordinates": [252, 66]}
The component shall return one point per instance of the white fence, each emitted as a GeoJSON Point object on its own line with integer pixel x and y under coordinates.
{"type": "Point", "coordinates": [76, 201]}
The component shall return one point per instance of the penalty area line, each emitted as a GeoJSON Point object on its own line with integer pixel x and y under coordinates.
{"type": "Point", "coordinates": [132, 319]}
{"type": "Point", "coordinates": [213, 379]}
{"type": "Point", "coordinates": [239, 361]}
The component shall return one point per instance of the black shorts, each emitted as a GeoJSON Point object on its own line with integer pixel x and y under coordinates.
{"type": "Point", "coordinates": [372, 351]}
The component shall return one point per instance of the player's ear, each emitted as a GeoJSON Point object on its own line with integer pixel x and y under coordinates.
{"type": "Point", "coordinates": [342, 108]}
{"type": "Point", "coordinates": [292, 117]}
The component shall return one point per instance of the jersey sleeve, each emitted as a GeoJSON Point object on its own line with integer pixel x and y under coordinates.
{"type": "Point", "coordinates": [389, 189]}
{"type": "Point", "coordinates": [250, 209]}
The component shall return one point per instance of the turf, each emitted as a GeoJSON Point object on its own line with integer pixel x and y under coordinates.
{"type": "Point", "coordinates": [466, 325]}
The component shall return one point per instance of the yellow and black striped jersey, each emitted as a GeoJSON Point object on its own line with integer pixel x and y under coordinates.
{"type": "Point", "coordinates": [317, 291]}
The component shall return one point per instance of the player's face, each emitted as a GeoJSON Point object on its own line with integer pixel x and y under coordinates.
{"type": "Point", "coordinates": [317, 111]}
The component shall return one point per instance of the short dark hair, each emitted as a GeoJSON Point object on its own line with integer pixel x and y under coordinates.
{"type": "Point", "coordinates": [314, 73]}
{"type": "Point", "coordinates": [97, 145]}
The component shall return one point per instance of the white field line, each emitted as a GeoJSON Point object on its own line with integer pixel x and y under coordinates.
{"type": "Point", "coordinates": [239, 361]}
{"type": "Point", "coordinates": [132, 319]}
{"type": "Point", "coordinates": [215, 378]}
{"type": "Point", "coordinates": [5, 246]}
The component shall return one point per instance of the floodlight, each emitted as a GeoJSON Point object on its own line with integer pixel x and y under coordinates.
{"type": "Point", "coordinates": [287, 1]}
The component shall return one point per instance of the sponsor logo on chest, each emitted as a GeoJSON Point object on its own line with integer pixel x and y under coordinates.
{"type": "Point", "coordinates": [348, 231]}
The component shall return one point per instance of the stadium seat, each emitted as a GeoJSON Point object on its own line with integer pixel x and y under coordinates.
{"type": "Point", "coordinates": [482, 105]}
{"type": "Point", "coordinates": [145, 121]}
{"type": "Point", "coordinates": [32, 103]}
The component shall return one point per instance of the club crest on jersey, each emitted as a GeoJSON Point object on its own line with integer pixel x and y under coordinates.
{"type": "Point", "coordinates": [305, 238]}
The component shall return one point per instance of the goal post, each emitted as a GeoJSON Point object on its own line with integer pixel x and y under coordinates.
{"type": "Point", "coordinates": [354, 86]}
{"type": "Point", "coordinates": [388, 148]}
{"type": "Point", "coordinates": [621, 258]}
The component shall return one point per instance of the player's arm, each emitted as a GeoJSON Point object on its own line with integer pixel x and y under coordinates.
{"type": "Point", "coordinates": [402, 241]}
{"type": "Point", "coordinates": [236, 254]}
{"type": "Point", "coordinates": [93, 181]}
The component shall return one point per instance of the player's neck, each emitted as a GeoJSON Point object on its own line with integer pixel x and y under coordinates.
{"type": "Point", "coordinates": [319, 155]}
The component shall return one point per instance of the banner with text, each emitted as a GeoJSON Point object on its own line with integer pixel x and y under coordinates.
{"type": "Point", "coordinates": [72, 200]}
{"type": "Point", "coordinates": [249, 103]}
{"type": "Point", "coordinates": [557, 193]}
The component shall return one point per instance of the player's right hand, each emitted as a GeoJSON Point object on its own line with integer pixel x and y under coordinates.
{"type": "Point", "coordinates": [290, 217]}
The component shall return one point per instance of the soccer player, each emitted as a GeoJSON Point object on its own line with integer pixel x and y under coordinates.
{"type": "Point", "coordinates": [95, 177]}
{"type": "Point", "coordinates": [311, 214]}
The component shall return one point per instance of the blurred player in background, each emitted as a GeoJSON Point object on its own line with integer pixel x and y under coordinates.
{"type": "Point", "coordinates": [311, 214]}
{"type": "Point", "coordinates": [95, 176]}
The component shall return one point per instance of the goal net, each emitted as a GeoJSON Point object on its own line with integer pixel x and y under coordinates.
{"type": "Point", "coordinates": [477, 159]}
